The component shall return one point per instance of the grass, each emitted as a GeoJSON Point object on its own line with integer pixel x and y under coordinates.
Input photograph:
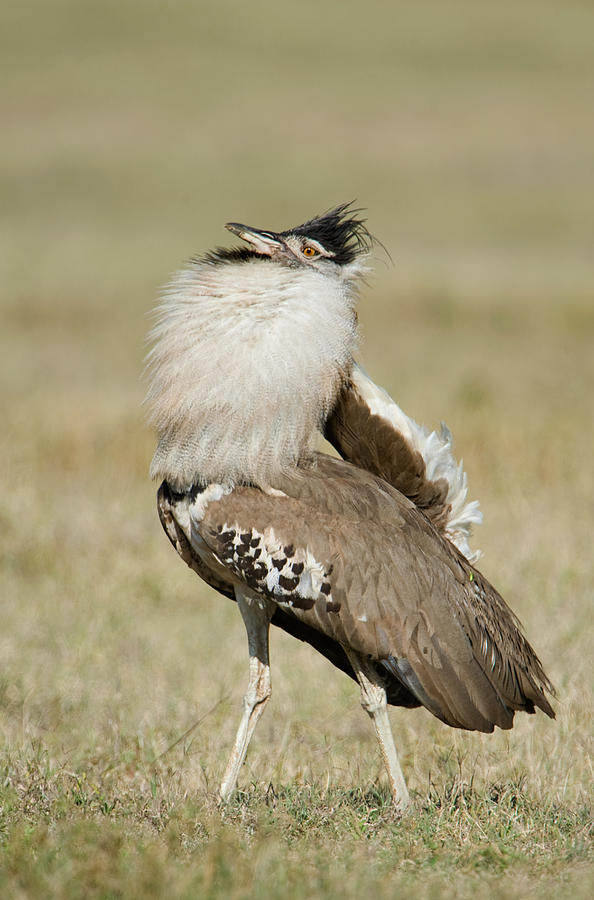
{"type": "Point", "coordinates": [326, 840]}
{"type": "Point", "coordinates": [134, 130]}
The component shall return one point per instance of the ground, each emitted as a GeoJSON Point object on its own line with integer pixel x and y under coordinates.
{"type": "Point", "coordinates": [136, 131]}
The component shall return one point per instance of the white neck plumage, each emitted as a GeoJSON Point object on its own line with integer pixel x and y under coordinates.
{"type": "Point", "coordinates": [248, 358]}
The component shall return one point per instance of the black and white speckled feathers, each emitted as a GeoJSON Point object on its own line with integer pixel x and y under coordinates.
{"type": "Point", "coordinates": [288, 574]}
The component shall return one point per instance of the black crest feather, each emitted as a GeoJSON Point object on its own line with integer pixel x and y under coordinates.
{"type": "Point", "coordinates": [228, 254]}
{"type": "Point", "coordinates": [340, 230]}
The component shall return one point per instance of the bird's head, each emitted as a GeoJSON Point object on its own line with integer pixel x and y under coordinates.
{"type": "Point", "coordinates": [335, 243]}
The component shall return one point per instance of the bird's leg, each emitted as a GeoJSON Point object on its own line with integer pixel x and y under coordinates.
{"type": "Point", "coordinates": [257, 613]}
{"type": "Point", "coordinates": [373, 701]}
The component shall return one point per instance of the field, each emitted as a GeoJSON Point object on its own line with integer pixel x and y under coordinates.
{"type": "Point", "coordinates": [131, 132]}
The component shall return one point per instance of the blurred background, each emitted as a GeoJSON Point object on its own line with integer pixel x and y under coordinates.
{"type": "Point", "coordinates": [131, 131]}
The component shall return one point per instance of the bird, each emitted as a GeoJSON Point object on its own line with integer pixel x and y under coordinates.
{"type": "Point", "coordinates": [364, 555]}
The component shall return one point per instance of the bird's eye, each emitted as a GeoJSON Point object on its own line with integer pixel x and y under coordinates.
{"type": "Point", "coordinates": [309, 252]}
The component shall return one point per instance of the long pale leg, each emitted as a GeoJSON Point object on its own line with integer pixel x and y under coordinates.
{"type": "Point", "coordinates": [373, 701]}
{"type": "Point", "coordinates": [257, 613]}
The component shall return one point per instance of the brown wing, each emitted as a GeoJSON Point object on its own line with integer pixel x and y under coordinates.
{"type": "Point", "coordinates": [172, 508]}
{"type": "Point", "coordinates": [348, 557]}
{"type": "Point", "coordinates": [372, 443]}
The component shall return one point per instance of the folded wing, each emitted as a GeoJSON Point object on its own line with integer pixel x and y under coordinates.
{"type": "Point", "coordinates": [348, 559]}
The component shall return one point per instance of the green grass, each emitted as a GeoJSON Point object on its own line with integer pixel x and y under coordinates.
{"type": "Point", "coordinates": [300, 841]}
{"type": "Point", "coordinates": [131, 133]}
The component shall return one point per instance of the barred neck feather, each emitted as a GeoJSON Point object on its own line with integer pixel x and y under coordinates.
{"type": "Point", "coordinates": [247, 360]}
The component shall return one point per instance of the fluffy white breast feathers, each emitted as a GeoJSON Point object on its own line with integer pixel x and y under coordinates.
{"type": "Point", "coordinates": [248, 357]}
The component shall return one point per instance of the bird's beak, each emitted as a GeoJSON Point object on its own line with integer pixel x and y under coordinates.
{"type": "Point", "coordinates": [265, 242]}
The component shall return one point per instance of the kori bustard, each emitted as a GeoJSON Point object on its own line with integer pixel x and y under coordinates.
{"type": "Point", "coordinates": [366, 558]}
